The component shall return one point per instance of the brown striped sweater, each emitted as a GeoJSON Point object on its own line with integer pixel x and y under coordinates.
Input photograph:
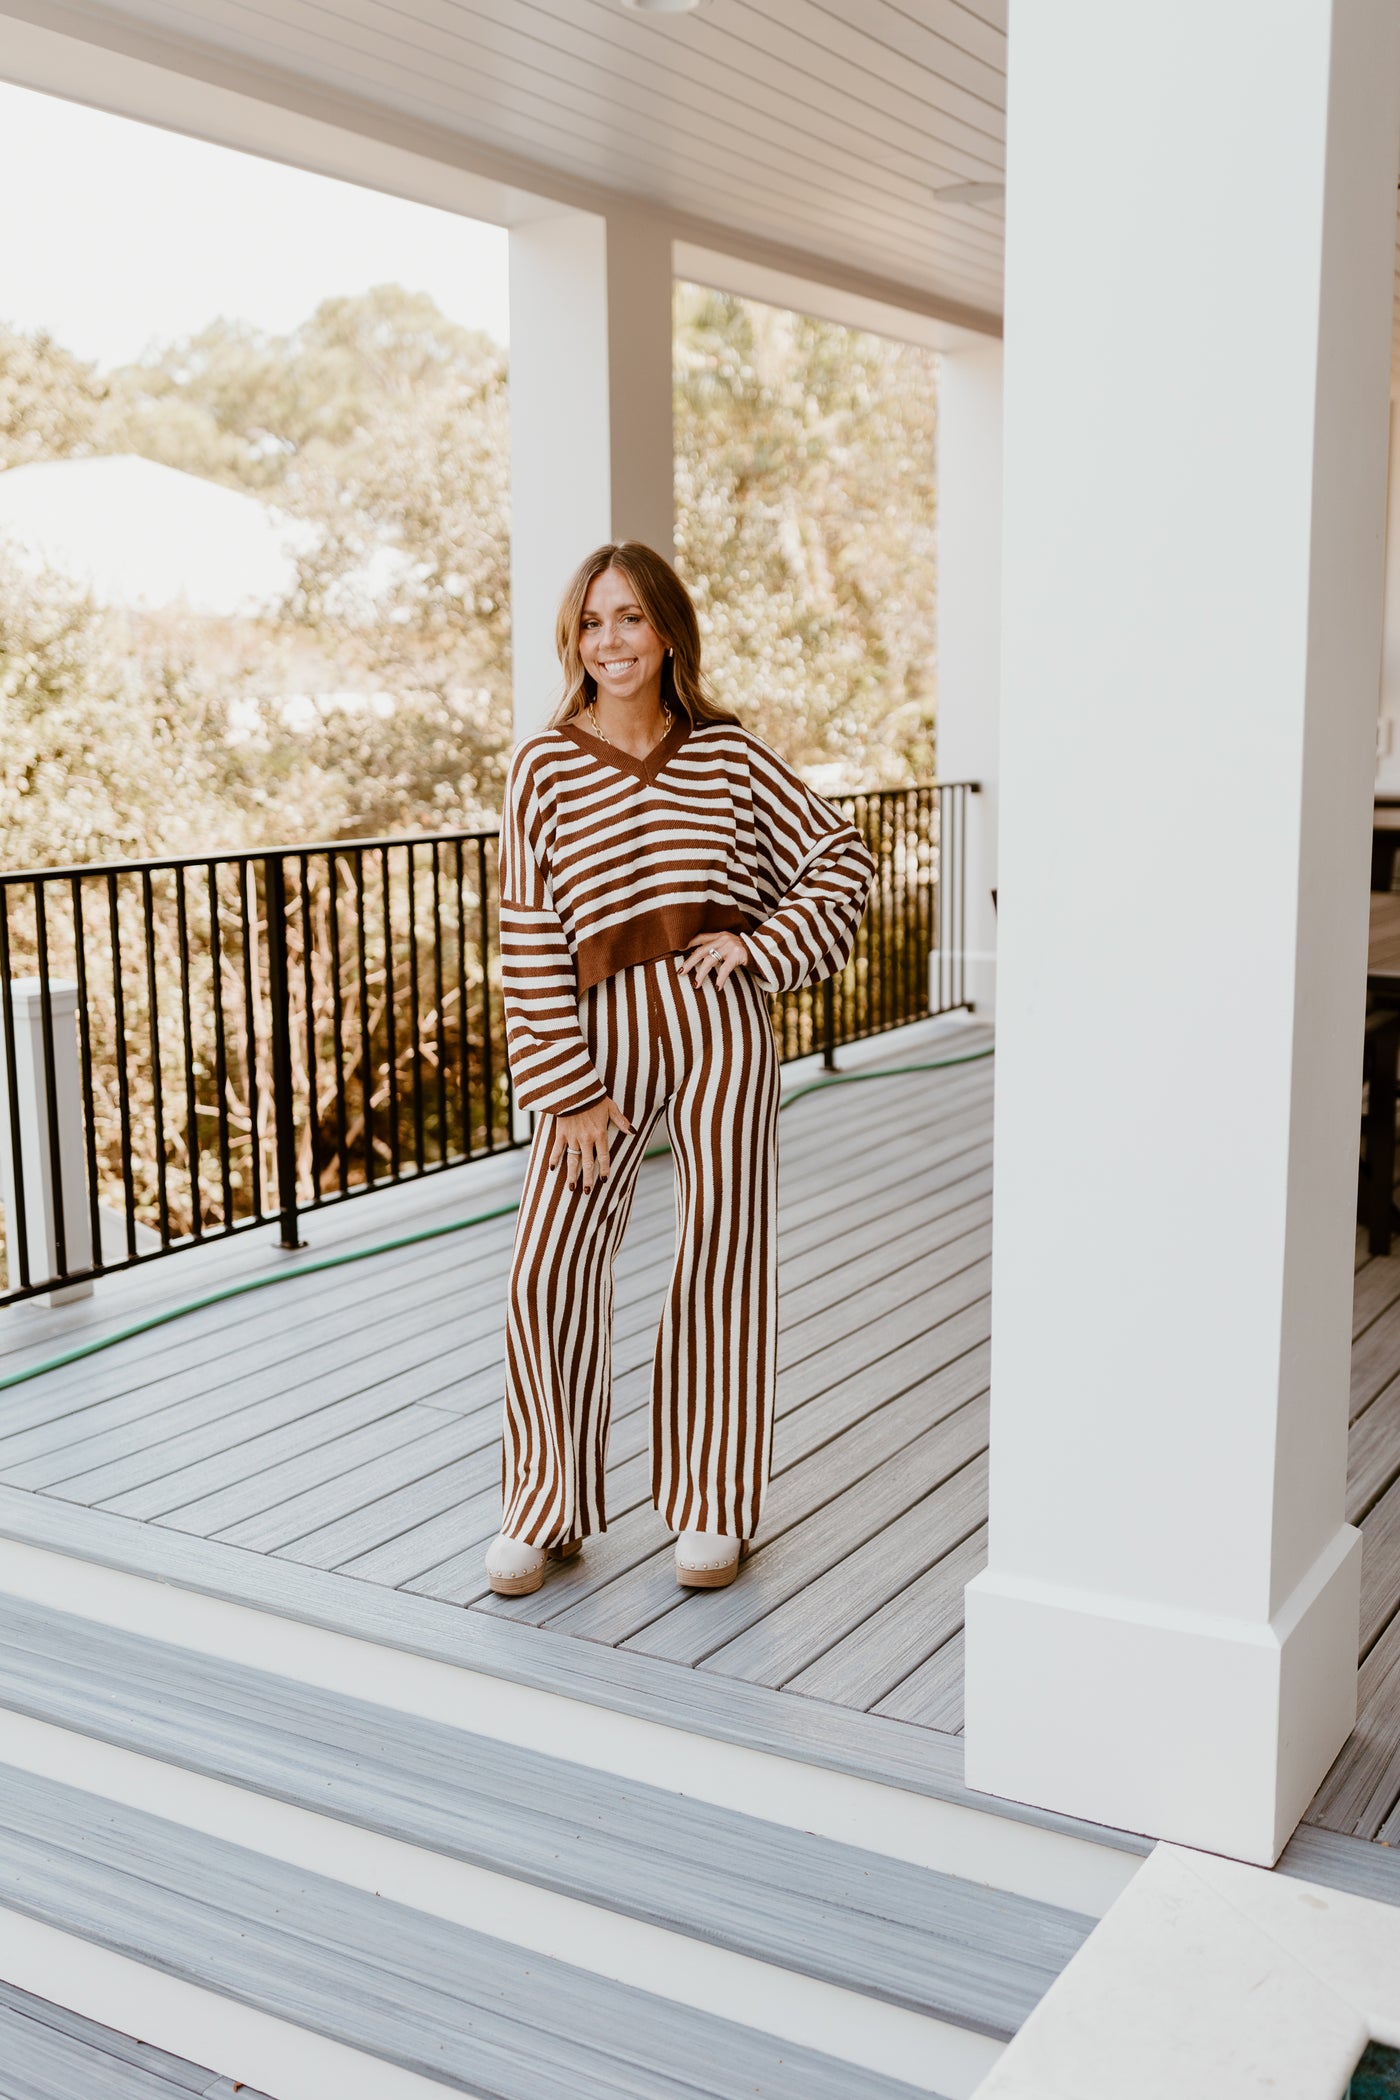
{"type": "Point", "coordinates": [609, 860]}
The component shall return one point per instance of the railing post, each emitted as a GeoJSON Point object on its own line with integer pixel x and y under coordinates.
{"type": "Point", "coordinates": [938, 944]}
{"type": "Point", "coordinates": [279, 1000]}
{"type": "Point", "coordinates": [971, 788]}
{"type": "Point", "coordinates": [42, 1170]}
{"type": "Point", "coordinates": [829, 1023]}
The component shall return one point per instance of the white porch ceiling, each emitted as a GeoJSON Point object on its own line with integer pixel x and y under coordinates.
{"type": "Point", "coordinates": [830, 131]}
{"type": "Point", "coordinates": [822, 127]}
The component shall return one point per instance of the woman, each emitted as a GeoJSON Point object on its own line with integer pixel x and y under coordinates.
{"type": "Point", "coordinates": [662, 873]}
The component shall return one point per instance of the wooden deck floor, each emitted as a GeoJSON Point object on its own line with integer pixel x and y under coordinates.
{"type": "Point", "coordinates": [1361, 1795]}
{"type": "Point", "coordinates": [349, 1421]}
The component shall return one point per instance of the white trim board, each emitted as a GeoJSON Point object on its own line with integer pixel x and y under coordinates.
{"type": "Point", "coordinates": [1217, 1980]}
{"type": "Point", "coordinates": [257, 2050]}
{"type": "Point", "coordinates": [747, 278]}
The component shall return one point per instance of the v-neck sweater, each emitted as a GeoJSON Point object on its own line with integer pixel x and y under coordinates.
{"type": "Point", "coordinates": [609, 860]}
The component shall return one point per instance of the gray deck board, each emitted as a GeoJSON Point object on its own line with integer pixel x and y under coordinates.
{"type": "Point", "coordinates": [817, 1469]}
{"type": "Point", "coordinates": [1360, 1798]}
{"type": "Point", "coordinates": [872, 1172]}
{"type": "Point", "coordinates": [833, 1518]}
{"type": "Point", "coordinates": [224, 1490]}
{"type": "Point", "coordinates": [916, 1179]}
{"type": "Point", "coordinates": [137, 1483]}
{"type": "Point", "coordinates": [280, 1424]}
{"type": "Point", "coordinates": [897, 1302]}
{"type": "Point", "coordinates": [829, 1606]}
{"type": "Point", "coordinates": [49, 2053]}
{"type": "Point", "coordinates": [834, 1737]}
{"type": "Point", "coordinates": [38, 2064]}
{"type": "Point", "coordinates": [441, 2000]}
{"type": "Point", "coordinates": [1374, 1357]}
{"type": "Point", "coordinates": [341, 1357]}
{"type": "Point", "coordinates": [349, 1421]}
{"type": "Point", "coordinates": [203, 1336]}
{"type": "Point", "coordinates": [291, 1327]}
{"type": "Point", "coordinates": [395, 1463]}
{"type": "Point", "coordinates": [1380, 1566]}
{"type": "Point", "coordinates": [861, 1920]}
{"type": "Point", "coordinates": [936, 1200]}
{"type": "Point", "coordinates": [928, 1379]}
{"type": "Point", "coordinates": [932, 1695]}
{"type": "Point", "coordinates": [1361, 1789]}
{"type": "Point", "coordinates": [383, 1518]}
{"type": "Point", "coordinates": [867, 1663]}
{"type": "Point", "coordinates": [291, 1494]}
{"type": "Point", "coordinates": [1377, 1288]}
{"type": "Point", "coordinates": [166, 1497]}
{"type": "Point", "coordinates": [1339, 1862]}
{"type": "Point", "coordinates": [1373, 1452]}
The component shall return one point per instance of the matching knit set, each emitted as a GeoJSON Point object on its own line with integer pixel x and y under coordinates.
{"type": "Point", "coordinates": [611, 867]}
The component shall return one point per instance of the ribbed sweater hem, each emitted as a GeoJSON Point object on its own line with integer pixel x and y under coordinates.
{"type": "Point", "coordinates": [654, 934]}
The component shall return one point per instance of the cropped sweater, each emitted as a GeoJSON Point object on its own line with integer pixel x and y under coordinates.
{"type": "Point", "coordinates": [609, 860]}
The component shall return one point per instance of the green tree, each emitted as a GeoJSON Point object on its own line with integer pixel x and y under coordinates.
{"type": "Point", "coordinates": [51, 402]}
{"type": "Point", "coordinates": [384, 426]}
{"type": "Point", "coordinates": [806, 516]}
{"type": "Point", "coordinates": [377, 697]}
{"type": "Point", "coordinates": [408, 583]}
{"type": "Point", "coordinates": [108, 745]}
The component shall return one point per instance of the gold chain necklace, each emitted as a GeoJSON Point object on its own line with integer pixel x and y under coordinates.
{"type": "Point", "coordinates": [603, 736]}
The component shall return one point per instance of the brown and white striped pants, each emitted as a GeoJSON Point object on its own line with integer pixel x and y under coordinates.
{"type": "Point", "coordinates": [707, 1061]}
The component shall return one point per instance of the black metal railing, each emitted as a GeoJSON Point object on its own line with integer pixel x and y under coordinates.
{"type": "Point", "coordinates": [908, 962]}
{"type": "Point", "coordinates": [200, 1046]}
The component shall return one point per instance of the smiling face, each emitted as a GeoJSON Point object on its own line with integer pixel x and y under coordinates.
{"type": "Point", "coordinates": [621, 650]}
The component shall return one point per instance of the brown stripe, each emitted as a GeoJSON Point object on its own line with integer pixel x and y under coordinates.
{"type": "Point", "coordinates": [651, 936]}
{"type": "Point", "coordinates": [707, 1060]}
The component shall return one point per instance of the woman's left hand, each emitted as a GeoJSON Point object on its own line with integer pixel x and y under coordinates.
{"type": "Point", "coordinates": [720, 954]}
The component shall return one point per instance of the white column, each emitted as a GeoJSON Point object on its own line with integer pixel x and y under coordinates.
{"type": "Point", "coordinates": [1388, 738]}
{"type": "Point", "coordinates": [1201, 207]}
{"type": "Point", "coordinates": [969, 627]}
{"type": "Point", "coordinates": [41, 1171]}
{"type": "Point", "coordinates": [590, 412]}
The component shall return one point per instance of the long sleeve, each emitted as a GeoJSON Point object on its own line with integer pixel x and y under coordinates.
{"type": "Point", "coordinates": [818, 870]}
{"type": "Point", "coordinates": [550, 1065]}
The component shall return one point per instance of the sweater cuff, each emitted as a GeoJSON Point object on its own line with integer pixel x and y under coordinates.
{"type": "Point", "coordinates": [576, 1108]}
{"type": "Point", "coordinates": [767, 961]}
{"type": "Point", "coordinates": [563, 1101]}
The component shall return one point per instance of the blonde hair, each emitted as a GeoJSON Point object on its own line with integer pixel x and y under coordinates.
{"type": "Point", "coordinates": [666, 603]}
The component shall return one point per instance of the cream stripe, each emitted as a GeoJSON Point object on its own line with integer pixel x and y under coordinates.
{"type": "Point", "coordinates": [590, 848]}
{"type": "Point", "coordinates": [707, 1059]}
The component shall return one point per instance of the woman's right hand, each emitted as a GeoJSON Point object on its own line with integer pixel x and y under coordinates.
{"type": "Point", "coordinates": [581, 1141]}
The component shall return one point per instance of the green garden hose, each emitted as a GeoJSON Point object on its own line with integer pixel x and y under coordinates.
{"type": "Point", "coordinates": [413, 1239]}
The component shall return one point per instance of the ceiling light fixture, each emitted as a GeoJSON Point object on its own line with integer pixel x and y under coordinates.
{"type": "Point", "coordinates": [661, 7]}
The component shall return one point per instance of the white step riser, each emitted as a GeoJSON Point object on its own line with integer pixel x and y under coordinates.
{"type": "Point", "coordinates": [888, 2039]}
{"type": "Point", "coordinates": [1048, 1866]}
{"type": "Point", "coordinates": [269, 2054]}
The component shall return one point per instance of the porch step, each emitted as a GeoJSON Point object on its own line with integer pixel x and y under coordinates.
{"type": "Point", "coordinates": [961, 1958]}
{"type": "Point", "coordinates": [451, 2006]}
{"type": "Point", "coordinates": [48, 2053]}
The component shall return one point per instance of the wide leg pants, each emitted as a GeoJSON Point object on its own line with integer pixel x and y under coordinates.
{"type": "Point", "coordinates": [706, 1060]}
